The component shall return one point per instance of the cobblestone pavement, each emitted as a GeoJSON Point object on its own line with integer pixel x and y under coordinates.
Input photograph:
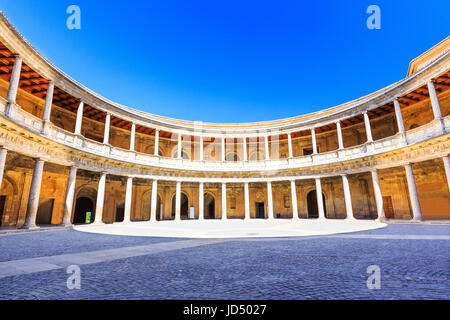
{"type": "Point", "coordinates": [328, 267]}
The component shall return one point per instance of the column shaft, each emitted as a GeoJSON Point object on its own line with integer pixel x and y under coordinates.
{"type": "Point", "coordinates": [224, 201]}
{"type": "Point", "coordinates": [154, 200]}
{"type": "Point", "coordinates": [178, 202]}
{"type": "Point", "coordinates": [266, 147]}
{"type": "Point", "coordinates": [244, 145]}
{"type": "Point", "coordinates": [294, 201]}
{"type": "Point", "coordinates": [128, 196]}
{"type": "Point", "coordinates": [14, 81]}
{"type": "Point", "coordinates": [434, 100]}
{"type": "Point", "coordinates": [269, 201]}
{"type": "Point", "coordinates": [132, 136]}
{"type": "Point", "coordinates": [291, 153]}
{"type": "Point", "coordinates": [378, 195]}
{"type": "Point", "coordinates": [33, 199]}
{"type": "Point", "coordinates": [100, 199]}
{"type": "Point", "coordinates": [339, 134]}
{"type": "Point", "coordinates": [48, 101]}
{"type": "Point", "coordinates": [79, 120]}
{"type": "Point", "coordinates": [107, 126]}
{"type": "Point", "coordinates": [223, 149]}
{"type": "Point", "coordinates": [398, 116]}
{"type": "Point", "coordinates": [3, 153]}
{"type": "Point", "coordinates": [313, 138]}
{"type": "Point", "coordinates": [201, 148]}
{"type": "Point", "coordinates": [70, 193]}
{"type": "Point", "coordinates": [179, 147]}
{"type": "Point", "coordinates": [156, 143]}
{"type": "Point", "coordinates": [347, 197]}
{"type": "Point", "coordinates": [446, 160]}
{"type": "Point", "coordinates": [367, 125]}
{"type": "Point", "coordinates": [246, 201]}
{"type": "Point", "coordinates": [413, 195]}
{"type": "Point", "coordinates": [319, 199]}
{"type": "Point", "coordinates": [201, 201]}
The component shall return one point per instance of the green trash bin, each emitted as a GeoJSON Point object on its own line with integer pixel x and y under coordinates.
{"type": "Point", "coordinates": [88, 217]}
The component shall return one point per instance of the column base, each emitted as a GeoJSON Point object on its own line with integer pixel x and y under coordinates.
{"type": "Point", "coordinates": [34, 227]}
{"type": "Point", "coordinates": [66, 225]}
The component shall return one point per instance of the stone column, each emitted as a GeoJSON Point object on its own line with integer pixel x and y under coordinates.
{"type": "Point", "coordinates": [294, 201]}
{"type": "Point", "coordinates": [33, 198]}
{"type": "Point", "coordinates": [3, 152]}
{"type": "Point", "coordinates": [223, 149]}
{"type": "Point", "coordinates": [79, 120]}
{"type": "Point", "coordinates": [179, 146]}
{"type": "Point", "coordinates": [313, 138]}
{"type": "Point", "coordinates": [339, 135]}
{"type": "Point", "coordinates": [378, 195]}
{"type": "Point", "coordinates": [224, 201]}
{"type": "Point", "coordinates": [154, 200]}
{"type": "Point", "coordinates": [319, 199]}
{"type": "Point", "coordinates": [128, 195]}
{"type": "Point", "coordinates": [398, 116]}
{"type": "Point", "coordinates": [367, 125]}
{"type": "Point", "coordinates": [244, 145]}
{"type": "Point", "coordinates": [100, 199]}
{"type": "Point", "coordinates": [132, 136]}
{"type": "Point", "coordinates": [48, 101]}
{"type": "Point", "coordinates": [246, 201]}
{"type": "Point", "coordinates": [201, 201]}
{"type": "Point", "coordinates": [347, 197]}
{"type": "Point", "coordinates": [291, 153]}
{"type": "Point", "coordinates": [156, 142]}
{"type": "Point", "coordinates": [178, 202]}
{"type": "Point", "coordinates": [107, 126]}
{"type": "Point", "coordinates": [269, 201]}
{"type": "Point", "coordinates": [201, 148]}
{"type": "Point", "coordinates": [414, 197]}
{"type": "Point", "coordinates": [14, 81]}
{"type": "Point", "coordinates": [70, 193]}
{"type": "Point", "coordinates": [266, 147]}
{"type": "Point", "coordinates": [446, 160]}
{"type": "Point", "coordinates": [434, 100]}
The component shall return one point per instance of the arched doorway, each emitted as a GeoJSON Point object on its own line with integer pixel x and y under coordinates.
{"type": "Point", "coordinates": [84, 211]}
{"type": "Point", "coordinates": [184, 206]}
{"type": "Point", "coordinates": [313, 210]}
{"type": "Point", "coordinates": [209, 206]}
{"type": "Point", "coordinates": [45, 210]}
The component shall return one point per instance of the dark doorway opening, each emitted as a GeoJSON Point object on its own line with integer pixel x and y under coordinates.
{"type": "Point", "coordinates": [259, 210]}
{"type": "Point", "coordinates": [120, 212]}
{"type": "Point", "coordinates": [2, 208]}
{"type": "Point", "coordinates": [45, 209]}
{"type": "Point", "coordinates": [84, 211]}
{"type": "Point", "coordinates": [313, 210]}
{"type": "Point", "coordinates": [209, 206]}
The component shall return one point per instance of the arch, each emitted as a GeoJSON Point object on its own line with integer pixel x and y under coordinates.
{"type": "Point", "coordinates": [209, 206]}
{"type": "Point", "coordinates": [256, 155]}
{"type": "Point", "coordinates": [232, 156]}
{"type": "Point", "coordinates": [84, 205]}
{"type": "Point", "coordinates": [313, 210]}
{"type": "Point", "coordinates": [184, 206]}
{"type": "Point", "coordinates": [184, 155]}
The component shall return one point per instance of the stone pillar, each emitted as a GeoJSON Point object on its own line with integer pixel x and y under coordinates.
{"type": "Point", "coordinates": [367, 125]}
{"type": "Point", "coordinates": [79, 120]}
{"type": "Point", "coordinates": [446, 160]}
{"type": "Point", "coordinates": [70, 193]}
{"type": "Point", "coordinates": [107, 126]}
{"type": "Point", "coordinates": [244, 145]}
{"type": "Point", "coordinates": [313, 138]}
{"type": "Point", "coordinates": [339, 135]}
{"type": "Point", "coordinates": [178, 202]}
{"type": "Point", "coordinates": [434, 100]}
{"type": "Point", "coordinates": [201, 148]}
{"type": "Point", "coordinates": [398, 116]}
{"type": "Point", "coordinates": [156, 142]}
{"type": "Point", "coordinates": [319, 199]}
{"type": "Point", "coordinates": [3, 153]}
{"type": "Point", "coordinates": [224, 201]}
{"type": "Point", "coordinates": [414, 197]}
{"type": "Point", "coordinates": [132, 136]}
{"type": "Point", "coordinates": [294, 201]}
{"type": "Point", "coordinates": [269, 201]}
{"type": "Point", "coordinates": [201, 201]}
{"type": "Point", "coordinates": [291, 153]}
{"type": "Point", "coordinates": [48, 101]}
{"type": "Point", "coordinates": [348, 198]}
{"type": "Point", "coordinates": [14, 81]}
{"type": "Point", "coordinates": [179, 147]}
{"type": "Point", "coordinates": [128, 195]}
{"type": "Point", "coordinates": [266, 147]}
{"type": "Point", "coordinates": [33, 198]}
{"type": "Point", "coordinates": [378, 195]}
{"type": "Point", "coordinates": [223, 149]}
{"type": "Point", "coordinates": [246, 201]}
{"type": "Point", "coordinates": [100, 199]}
{"type": "Point", "coordinates": [154, 200]}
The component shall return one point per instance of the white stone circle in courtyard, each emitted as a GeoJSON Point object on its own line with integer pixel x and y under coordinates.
{"type": "Point", "coordinates": [232, 228]}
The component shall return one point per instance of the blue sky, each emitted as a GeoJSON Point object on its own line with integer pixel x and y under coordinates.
{"type": "Point", "coordinates": [231, 61]}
